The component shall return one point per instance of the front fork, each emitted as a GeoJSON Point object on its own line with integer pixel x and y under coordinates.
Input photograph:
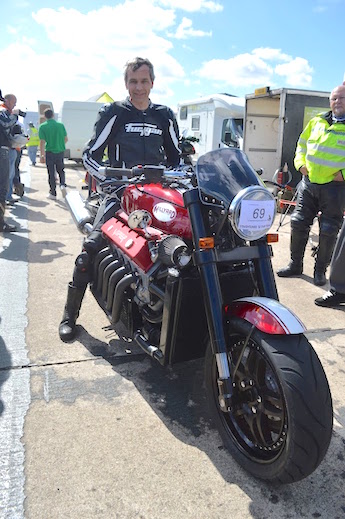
{"type": "Point", "coordinates": [205, 260]}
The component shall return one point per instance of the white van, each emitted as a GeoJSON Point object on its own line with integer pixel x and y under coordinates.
{"type": "Point", "coordinates": [212, 122]}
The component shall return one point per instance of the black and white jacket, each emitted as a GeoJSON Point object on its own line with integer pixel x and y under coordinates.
{"type": "Point", "coordinates": [133, 137]}
{"type": "Point", "coordinates": [7, 123]}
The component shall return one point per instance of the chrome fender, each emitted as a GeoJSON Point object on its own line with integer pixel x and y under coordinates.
{"type": "Point", "coordinates": [267, 315]}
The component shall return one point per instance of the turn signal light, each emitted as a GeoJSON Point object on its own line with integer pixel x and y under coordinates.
{"type": "Point", "coordinates": [206, 243]}
{"type": "Point", "coordinates": [272, 238]}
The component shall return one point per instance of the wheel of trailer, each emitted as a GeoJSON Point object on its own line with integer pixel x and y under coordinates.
{"type": "Point", "coordinates": [280, 423]}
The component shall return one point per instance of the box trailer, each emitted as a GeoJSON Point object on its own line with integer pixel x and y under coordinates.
{"type": "Point", "coordinates": [79, 118]}
{"type": "Point", "coordinates": [273, 122]}
{"type": "Point", "coordinates": [212, 122]}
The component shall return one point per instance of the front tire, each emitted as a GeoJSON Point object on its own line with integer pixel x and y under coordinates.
{"type": "Point", "coordinates": [280, 425]}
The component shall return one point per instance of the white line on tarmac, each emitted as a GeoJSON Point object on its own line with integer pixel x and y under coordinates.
{"type": "Point", "coordinates": [14, 383]}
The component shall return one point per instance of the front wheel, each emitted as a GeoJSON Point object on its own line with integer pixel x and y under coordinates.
{"type": "Point", "coordinates": [280, 424]}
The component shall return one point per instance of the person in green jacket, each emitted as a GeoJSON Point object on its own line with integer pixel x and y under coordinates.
{"type": "Point", "coordinates": [55, 136]}
{"type": "Point", "coordinates": [320, 158]}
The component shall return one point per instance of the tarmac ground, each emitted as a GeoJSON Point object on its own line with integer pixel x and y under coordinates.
{"type": "Point", "coordinates": [95, 428]}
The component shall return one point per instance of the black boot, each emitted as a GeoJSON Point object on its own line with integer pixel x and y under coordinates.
{"type": "Point", "coordinates": [19, 189]}
{"type": "Point", "coordinates": [297, 246]}
{"type": "Point", "coordinates": [5, 227]}
{"type": "Point", "coordinates": [323, 257]}
{"type": "Point", "coordinates": [67, 328]}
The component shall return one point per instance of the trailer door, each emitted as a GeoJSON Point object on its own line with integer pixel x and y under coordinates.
{"type": "Point", "coordinates": [261, 133]}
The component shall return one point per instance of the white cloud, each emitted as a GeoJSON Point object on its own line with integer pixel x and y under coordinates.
{"type": "Point", "coordinates": [185, 30]}
{"type": "Point", "coordinates": [271, 54]}
{"type": "Point", "coordinates": [242, 70]}
{"type": "Point", "coordinates": [85, 52]}
{"type": "Point", "coordinates": [297, 72]}
{"type": "Point", "coordinates": [108, 29]}
{"type": "Point", "coordinates": [255, 69]}
{"type": "Point", "coordinates": [192, 5]}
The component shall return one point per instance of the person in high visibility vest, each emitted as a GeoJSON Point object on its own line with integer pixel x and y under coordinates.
{"type": "Point", "coordinates": [33, 143]}
{"type": "Point", "coordinates": [320, 158]}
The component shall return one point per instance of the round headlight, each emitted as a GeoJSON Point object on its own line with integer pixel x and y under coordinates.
{"type": "Point", "coordinates": [252, 212]}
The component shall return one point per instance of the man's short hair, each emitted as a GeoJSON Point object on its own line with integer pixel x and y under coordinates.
{"type": "Point", "coordinates": [136, 63]}
{"type": "Point", "coordinates": [48, 113]}
{"type": "Point", "coordinates": [10, 97]}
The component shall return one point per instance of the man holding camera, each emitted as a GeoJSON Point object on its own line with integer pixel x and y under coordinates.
{"type": "Point", "coordinates": [8, 119]}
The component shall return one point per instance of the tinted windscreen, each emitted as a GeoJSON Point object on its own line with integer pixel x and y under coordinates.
{"type": "Point", "coordinates": [222, 174]}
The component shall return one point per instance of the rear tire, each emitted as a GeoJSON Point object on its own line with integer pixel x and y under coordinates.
{"type": "Point", "coordinates": [280, 425]}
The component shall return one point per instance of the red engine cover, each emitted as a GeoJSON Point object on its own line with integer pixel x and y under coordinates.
{"type": "Point", "coordinates": [133, 244]}
{"type": "Point", "coordinates": [163, 203]}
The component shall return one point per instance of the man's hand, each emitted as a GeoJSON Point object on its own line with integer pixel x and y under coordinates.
{"type": "Point", "coordinates": [304, 171]}
{"type": "Point", "coordinates": [339, 177]}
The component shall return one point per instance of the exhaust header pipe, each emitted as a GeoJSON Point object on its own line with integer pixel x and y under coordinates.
{"type": "Point", "coordinates": [81, 216]}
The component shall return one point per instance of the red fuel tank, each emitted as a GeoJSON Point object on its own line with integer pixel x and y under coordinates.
{"type": "Point", "coordinates": [163, 203]}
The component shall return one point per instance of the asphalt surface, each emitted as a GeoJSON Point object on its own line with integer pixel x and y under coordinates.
{"type": "Point", "coordinates": [96, 429]}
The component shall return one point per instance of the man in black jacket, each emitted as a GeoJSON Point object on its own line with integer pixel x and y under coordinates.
{"type": "Point", "coordinates": [8, 119]}
{"type": "Point", "coordinates": [133, 132]}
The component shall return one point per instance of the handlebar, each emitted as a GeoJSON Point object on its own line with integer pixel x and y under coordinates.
{"type": "Point", "coordinates": [153, 173]}
{"type": "Point", "coordinates": [109, 178]}
{"type": "Point", "coordinates": [108, 172]}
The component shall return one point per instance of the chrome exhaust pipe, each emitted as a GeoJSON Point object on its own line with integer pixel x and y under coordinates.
{"type": "Point", "coordinates": [81, 216]}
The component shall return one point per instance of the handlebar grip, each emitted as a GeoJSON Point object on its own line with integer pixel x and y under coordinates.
{"type": "Point", "coordinates": [116, 172]}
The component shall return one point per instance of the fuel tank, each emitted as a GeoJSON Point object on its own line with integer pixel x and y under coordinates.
{"type": "Point", "coordinates": [165, 204]}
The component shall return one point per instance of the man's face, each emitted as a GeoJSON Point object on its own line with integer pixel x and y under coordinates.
{"type": "Point", "coordinates": [139, 85]}
{"type": "Point", "coordinates": [337, 101]}
{"type": "Point", "coordinates": [11, 102]}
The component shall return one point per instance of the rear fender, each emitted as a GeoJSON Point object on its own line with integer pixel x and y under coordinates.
{"type": "Point", "coordinates": [267, 315]}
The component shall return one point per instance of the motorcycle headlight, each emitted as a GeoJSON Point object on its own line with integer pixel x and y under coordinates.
{"type": "Point", "coordinates": [173, 251]}
{"type": "Point", "coordinates": [252, 212]}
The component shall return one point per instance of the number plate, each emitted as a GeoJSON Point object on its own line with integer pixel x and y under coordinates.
{"type": "Point", "coordinates": [256, 215]}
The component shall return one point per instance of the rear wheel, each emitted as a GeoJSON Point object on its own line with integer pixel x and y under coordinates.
{"type": "Point", "coordinates": [280, 424]}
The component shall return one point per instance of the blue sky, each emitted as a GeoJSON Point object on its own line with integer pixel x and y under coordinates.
{"type": "Point", "coordinates": [55, 51]}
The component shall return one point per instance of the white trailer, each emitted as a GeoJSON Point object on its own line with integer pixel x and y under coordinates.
{"type": "Point", "coordinates": [212, 122]}
{"type": "Point", "coordinates": [79, 118]}
{"type": "Point", "coordinates": [273, 122]}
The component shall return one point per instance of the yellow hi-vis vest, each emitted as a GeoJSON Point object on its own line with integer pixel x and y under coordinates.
{"type": "Point", "coordinates": [321, 148]}
{"type": "Point", "coordinates": [34, 138]}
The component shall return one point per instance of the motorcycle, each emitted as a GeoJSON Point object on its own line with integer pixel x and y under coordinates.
{"type": "Point", "coordinates": [186, 268]}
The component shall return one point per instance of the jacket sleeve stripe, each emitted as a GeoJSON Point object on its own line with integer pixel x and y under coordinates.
{"type": "Point", "coordinates": [91, 164]}
{"type": "Point", "coordinates": [173, 135]}
{"type": "Point", "coordinates": [103, 135]}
